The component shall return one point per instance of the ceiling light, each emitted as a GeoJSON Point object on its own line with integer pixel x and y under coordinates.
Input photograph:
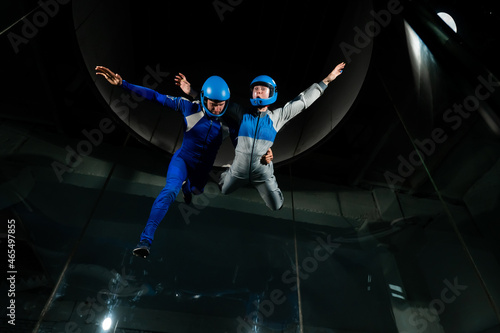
{"type": "Point", "coordinates": [448, 20]}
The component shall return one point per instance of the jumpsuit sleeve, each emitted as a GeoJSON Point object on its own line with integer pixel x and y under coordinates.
{"type": "Point", "coordinates": [298, 104]}
{"type": "Point", "coordinates": [152, 95]}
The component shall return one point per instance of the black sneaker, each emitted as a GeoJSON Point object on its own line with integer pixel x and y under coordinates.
{"type": "Point", "coordinates": [142, 249]}
{"type": "Point", "coordinates": [186, 193]}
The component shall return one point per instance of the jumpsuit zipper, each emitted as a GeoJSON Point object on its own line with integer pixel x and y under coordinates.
{"type": "Point", "coordinates": [200, 160]}
{"type": "Point", "coordinates": [253, 146]}
{"type": "Point", "coordinates": [205, 143]}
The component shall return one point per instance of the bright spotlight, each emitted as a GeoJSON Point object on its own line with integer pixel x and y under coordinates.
{"type": "Point", "coordinates": [448, 20]}
{"type": "Point", "coordinates": [106, 324]}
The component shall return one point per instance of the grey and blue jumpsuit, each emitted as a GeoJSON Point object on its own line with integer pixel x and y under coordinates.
{"type": "Point", "coordinates": [256, 135]}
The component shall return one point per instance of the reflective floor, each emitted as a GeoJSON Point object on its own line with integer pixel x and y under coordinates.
{"type": "Point", "coordinates": [391, 181]}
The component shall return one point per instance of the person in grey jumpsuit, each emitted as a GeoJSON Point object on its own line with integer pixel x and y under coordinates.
{"type": "Point", "coordinates": [258, 129]}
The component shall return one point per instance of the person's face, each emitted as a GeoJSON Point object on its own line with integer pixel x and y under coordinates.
{"type": "Point", "coordinates": [260, 92]}
{"type": "Point", "coordinates": [215, 107]}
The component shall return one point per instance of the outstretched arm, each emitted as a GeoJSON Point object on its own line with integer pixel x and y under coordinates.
{"type": "Point", "coordinates": [109, 75]}
{"type": "Point", "coordinates": [336, 72]}
{"type": "Point", "coordinates": [147, 93]}
{"type": "Point", "coordinates": [305, 98]}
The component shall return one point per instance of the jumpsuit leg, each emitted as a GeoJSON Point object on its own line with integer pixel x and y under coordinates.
{"type": "Point", "coordinates": [186, 187]}
{"type": "Point", "coordinates": [197, 178]}
{"type": "Point", "coordinates": [176, 174]}
{"type": "Point", "coordinates": [229, 183]}
{"type": "Point", "coordinates": [270, 192]}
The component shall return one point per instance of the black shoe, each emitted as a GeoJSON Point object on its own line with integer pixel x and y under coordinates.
{"type": "Point", "coordinates": [186, 194]}
{"type": "Point", "coordinates": [142, 249]}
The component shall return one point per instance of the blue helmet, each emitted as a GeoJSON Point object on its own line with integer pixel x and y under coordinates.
{"type": "Point", "coordinates": [264, 80]}
{"type": "Point", "coordinates": [217, 90]}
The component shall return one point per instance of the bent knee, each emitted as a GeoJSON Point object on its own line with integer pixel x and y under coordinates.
{"type": "Point", "coordinates": [276, 207]}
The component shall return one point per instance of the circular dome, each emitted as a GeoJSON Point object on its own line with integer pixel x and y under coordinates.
{"type": "Point", "coordinates": [149, 42]}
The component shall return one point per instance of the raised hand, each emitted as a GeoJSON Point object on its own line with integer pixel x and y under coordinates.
{"type": "Point", "coordinates": [336, 72]}
{"type": "Point", "coordinates": [114, 79]}
{"type": "Point", "coordinates": [180, 80]}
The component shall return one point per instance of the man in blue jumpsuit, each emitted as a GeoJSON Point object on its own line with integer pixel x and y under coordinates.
{"type": "Point", "coordinates": [190, 165]}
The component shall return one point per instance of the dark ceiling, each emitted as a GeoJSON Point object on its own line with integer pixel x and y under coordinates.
{"type": "Point", "coordinates": [50, 82]}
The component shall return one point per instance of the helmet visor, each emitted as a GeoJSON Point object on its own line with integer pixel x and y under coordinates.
{"type": "Point", "coordinates": [261, 90]}
{"type": "Point", "coordinates": [214, 107]}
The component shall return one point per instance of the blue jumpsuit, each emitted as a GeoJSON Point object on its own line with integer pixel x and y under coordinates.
{"type": "Point", "coordinates": [192, 162]}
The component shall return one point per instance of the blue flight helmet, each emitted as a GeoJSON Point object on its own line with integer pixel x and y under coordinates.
{"type": "Point", "coordinates": [266, 81]}
{"type": "Point", "coordinates": [217, 90]}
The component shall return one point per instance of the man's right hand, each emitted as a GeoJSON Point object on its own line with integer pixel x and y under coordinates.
{"type": "Point", "coordinates": [267, 158]}
{"type": "Point", "coordinates": [114, 79]}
